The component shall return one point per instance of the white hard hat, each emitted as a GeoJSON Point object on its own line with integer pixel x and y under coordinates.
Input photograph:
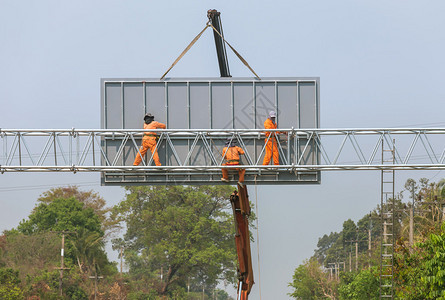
{"type": "Point", "coordinates": [272, 114]}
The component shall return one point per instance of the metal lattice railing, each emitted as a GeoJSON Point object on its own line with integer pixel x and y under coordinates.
{"type": "Point", "coordinates": [77, 150]}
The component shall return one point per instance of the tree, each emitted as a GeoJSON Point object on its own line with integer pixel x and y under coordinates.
{"type": "Point", "coordinates": [61, 214]}
{"type": "Point", "coordinates": [222, 295]}
{"type": "Point", "coordinates": [408, 271]}
{"type": "Point", "coordinates": [441, 188]}
{"type": "Point", "coordinates": [179, 233]}
{"type": "Point", "coordinates": [310, 282]}
{"type": "Point", "coordinates": [433, 275]}
{"type": "Point", "coordinates": [324, 244]}
{"type": "Point", "coordinates": [363, 285]}
{"type": "Point", "coordinates": [88, 247]}
{"type": "Point", "coordinates": [9, 284]}
{"type": "Point", "coordinates": [30, 254]}
{"type": "Point", "coordinates": [418, 270]}
{"type": "Point", "coordinates": [33, 249]}
{"type": "Point", "coordinates": [90, 199]}
{"type": "Point", "coordinates": [84, 244]}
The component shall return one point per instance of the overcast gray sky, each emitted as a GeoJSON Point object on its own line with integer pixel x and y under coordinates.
{"type": "Point", "coordinates": [381, 64]}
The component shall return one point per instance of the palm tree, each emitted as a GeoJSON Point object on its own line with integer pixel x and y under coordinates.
{"type": "Point", "coordinates": [87, 246]}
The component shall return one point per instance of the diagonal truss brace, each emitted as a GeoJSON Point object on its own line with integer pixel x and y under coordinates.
{"type": "Point", "coordinates": [329, 149]}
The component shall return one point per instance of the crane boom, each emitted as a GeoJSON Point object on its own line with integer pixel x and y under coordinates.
{"type": "Point", "coordinates": [241, 212]}
{"type": "Point", "coordinates": [215, 19]}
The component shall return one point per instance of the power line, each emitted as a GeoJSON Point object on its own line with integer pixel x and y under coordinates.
{"type": "Point", "coordinates": [423, 124]}
{"type": "Point", "coordinates": [38, 187]}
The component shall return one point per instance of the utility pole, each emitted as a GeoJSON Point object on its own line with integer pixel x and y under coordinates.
{"type": "Point", "coordinates": [350, 261]}
{"type": "Point", "coordinates": [411, 220]}
{"type": "Point", "coordinates": [121, 259]}
{"type": "Point", "coordinates": [335, 270]}
{"type": "Point", "coordinates": [411, 228]}
{"type": "Point", "coordinates": [443, 210]}
{"type": "Point", "coordinates": [356, 249]}
{"type": "Point", "coordinates": [344, 266]}
{"type": "Point", "coordinates": [356, 255]}
{"type": "Point", "coordinates": [62, 266]}
{"type": "Point", "coordinates": [369, 240]}
{"type": "Point", "coordinates": [95, 277]}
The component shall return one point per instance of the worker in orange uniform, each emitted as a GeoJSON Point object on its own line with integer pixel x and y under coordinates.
{"type": "Point", "coordinates": [271, 141]}
{"type": "Point", "coordinates": [149, 140]}
{"type": "Point", "coordinates": [231, 153]}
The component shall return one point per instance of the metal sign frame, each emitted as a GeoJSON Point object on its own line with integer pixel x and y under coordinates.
{"type": "Point", "coordinates": [201, 104]}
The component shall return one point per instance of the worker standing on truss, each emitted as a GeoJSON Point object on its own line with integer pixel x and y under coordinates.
{"type": "Point", "coordinates": [231, 153]}
{"type": "Point", "coordinates": [149, 140]}
{"type": "Point", "coordinates": [271, 141]}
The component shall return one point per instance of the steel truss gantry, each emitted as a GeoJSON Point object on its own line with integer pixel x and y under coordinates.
{"type": "Point", "coordinates": [81, 150]}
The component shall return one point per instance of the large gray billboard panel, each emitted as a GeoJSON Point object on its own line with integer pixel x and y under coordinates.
{"type": "Point", "coordinates": [210, 103]}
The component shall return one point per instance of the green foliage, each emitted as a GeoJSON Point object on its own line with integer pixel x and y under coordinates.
{"type": "Point", "coordinates": [139, 295]}
{"type": "Point", "coordinates": [337, 247]}
{"type": "Point", "coordinates": [34, 247]}
{"type": "Point", "coordinates": [304, 285]}
{"type": "Point", "coordinates": [433, 275]}
{"type": "Point", "coordinates": [84, 245]}
{"type": "Point", "coordinates": [9, 284]}
{"type": "Point", "coordinates": [29, 254]}
{"type": "Point", "coordinates": [349, 231]}
{"type": "Point", "coordinates": [408, 271]}
{"type": "Point", "coordinates": [419, 271]}
{"type": "Point", "coordinates": [222, 295]}
{"type": "Point", "coordinates": [310, 282]}
{"type": "Point", "coordinates": [44, 285]}
{"type": "Point", "coordinates": [88, 247]}
{"type": "Point", "coordinates": [89, 199]}
{"type": "Point", "coordinates": [371, 222]}
{"type": "Point", "coordinates": [363, 285]}
{"type": "Point", "coordinates": [324, 244]}
{"type": "Point", "coordinates": [8, 275]}
{"type": "Point", "coordinates": [61, 214]}
{"type": "Point", "coordinates": [75, 292]}
{"type": "Point", "coordinates": [185, 231]}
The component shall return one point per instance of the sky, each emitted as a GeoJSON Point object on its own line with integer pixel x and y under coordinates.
{"type": "Point", "coordinates": [380, 63]}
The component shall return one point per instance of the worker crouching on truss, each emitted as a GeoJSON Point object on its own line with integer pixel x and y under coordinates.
{"type": "Point", "coordinates": [231, 153]}
{"type": "Point", "coordinates": [149, 140]}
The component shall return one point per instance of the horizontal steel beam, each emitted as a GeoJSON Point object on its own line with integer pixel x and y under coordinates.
{"type": "Point", "coordinates": [171, 169]}
{"type": "Point", "coordinates": [301, 131]}
{"type": "Point", "coordinates": [83, 150]}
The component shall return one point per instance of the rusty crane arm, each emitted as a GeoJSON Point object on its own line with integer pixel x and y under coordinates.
{"type": "Point", "coordinates": [241, 212]}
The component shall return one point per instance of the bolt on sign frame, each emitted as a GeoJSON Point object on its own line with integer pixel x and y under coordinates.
{"type": "Point", "coordinates": [212, 110]}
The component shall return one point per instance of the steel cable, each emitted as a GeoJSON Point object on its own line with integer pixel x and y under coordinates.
{"type": "Point", "coordinates": [257, 236]}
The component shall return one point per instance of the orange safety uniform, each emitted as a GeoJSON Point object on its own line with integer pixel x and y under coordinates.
{"type": "Point", "coordinates": [149, 142]}
{"type": "Point", "coordinates": [232, 157]}
{"type": "Point", "coordinates": [271, 144]}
